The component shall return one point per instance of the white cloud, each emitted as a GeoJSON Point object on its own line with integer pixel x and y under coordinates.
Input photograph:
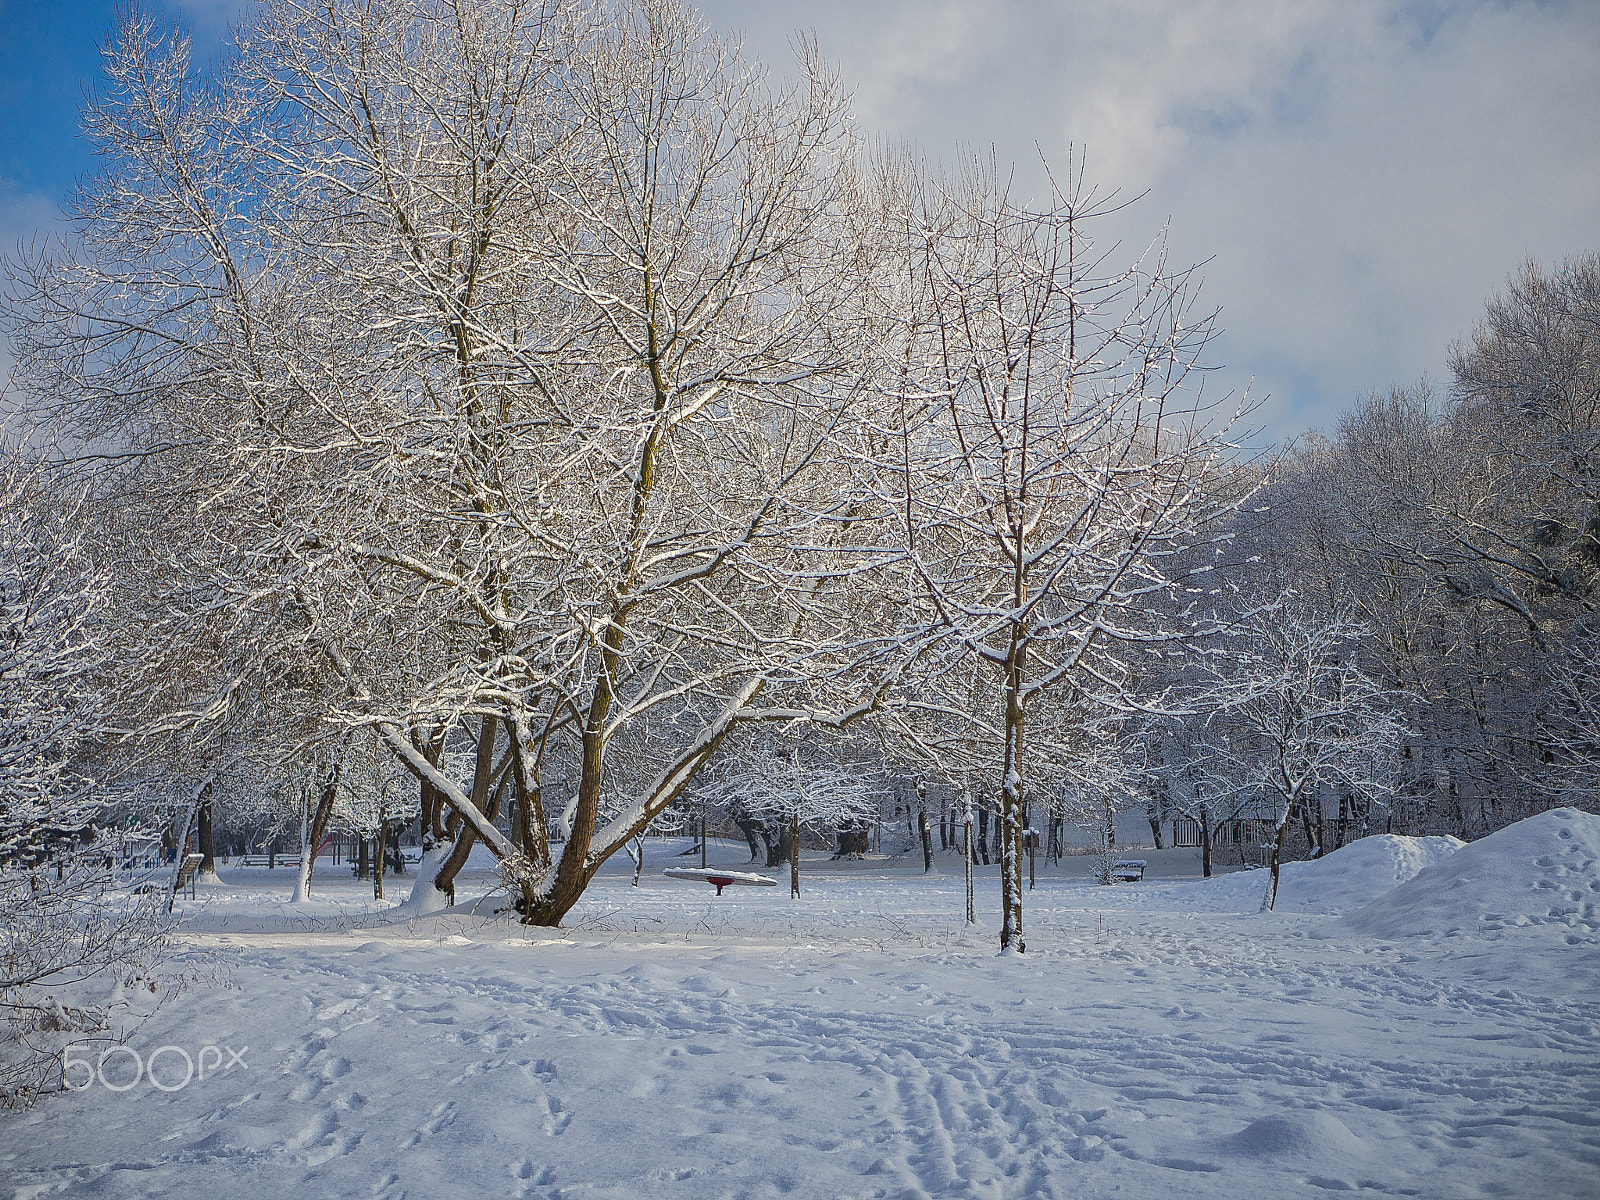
{"type": "Point", "coordinates": [1362, 175]}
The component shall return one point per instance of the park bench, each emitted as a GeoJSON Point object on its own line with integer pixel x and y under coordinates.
{"type": "Point", "coordinates": [1129, 870]}
{"type": "Point", "coordinates": [183, 881]}
{"type": "Point", "coordinates": [183, 878]}
{"type": "Point", "coordinates": [268, 860]}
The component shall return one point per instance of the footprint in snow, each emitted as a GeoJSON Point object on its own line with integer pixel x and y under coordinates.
{"type": "Point", "coordinates": [309, 1049]}
{"type": "Point", "coordinates": [531, 1176]}
{"type": "Point", "coordinates": [556, 1119]}
{"type": "Point", "coordinates": [442, 1115]}
{"type": "Point", "coordinates": [337, 1068]}
{"type": "Point", "coordinates": [306, 1089]}
{"type": "Point", "coordinates": [318, 1129]}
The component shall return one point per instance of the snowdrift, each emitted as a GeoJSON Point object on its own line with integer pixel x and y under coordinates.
{"type": "Point", "coordinates": [1341, 882]}
{"type": "Point", "coordinates": [1314, 1136]}
{"type": "Point", "coordinates": [425, 898]}
{"type": "Point", "coordinates": [1544, 870]}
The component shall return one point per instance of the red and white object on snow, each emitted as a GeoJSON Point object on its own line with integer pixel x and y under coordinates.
{"type": "Point", "coordinates": [720, 878]}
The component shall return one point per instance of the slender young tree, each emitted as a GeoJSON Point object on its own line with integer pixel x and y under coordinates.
{"type": "Point", "coordinates": [1043, 450]}
{"type": "Point", "coordinates": [1290, 712]}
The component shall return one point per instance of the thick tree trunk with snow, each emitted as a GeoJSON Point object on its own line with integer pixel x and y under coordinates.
{"type": "Point", "coordinates": [302, 883]}
{"type": "Point", "coordinates": [204, 833]}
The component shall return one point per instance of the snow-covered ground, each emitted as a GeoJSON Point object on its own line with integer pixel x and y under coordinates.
{"type": "Point", "coordinates": [1157, 1039]}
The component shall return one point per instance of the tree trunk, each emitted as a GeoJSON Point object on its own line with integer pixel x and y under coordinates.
{"type": "Point", "coordinates": [927, 840]}
{"type": "Point", "coordinates": [967, 861]}
{"type": "Point", "coordinates": [1278, 841]}
{"type": "Point", "coordinates": [382, 847]}
{"type": "Point", "coordinates": [482, 778]}
{"type": "Point", "coordinates": [1155, 829]}
{"type": "Point", "coordinates": [554, 897]}
{"type": "Point", "coordinates": [774, 846]}
{"type": "Point", "coordinates": [983, 834]}
{"type": "Point", "coordinates": [1313, 835]}
{"type": "Point", "coordinates": [1205, 841]}
{"type": "Point", "coordinates": [319, 823]}
{"type": "Point", "coordinates": [208, 853]}
{"type": "Point", "coordinates": [853, 840]}
{"type": "Point", "coordinates": [533, 838]}
{"type": "Point", "coordinates": [794, 854]}
{"type": "Point", "coordinates": [302, 883]}
{"type": "Point", "coordinates": [751, 829]}
{"type": "Point", "coordinates": [1011, 807]}
{"type": "Point", "coordinates": [431, 804]}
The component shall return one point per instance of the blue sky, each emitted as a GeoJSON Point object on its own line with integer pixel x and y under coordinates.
{"type": "Point", "coordinates": [1358, 174]}
{"type": "Point", "coordinates": [49, 52]}
{"type": "Point", "coordinates": [45, 50]}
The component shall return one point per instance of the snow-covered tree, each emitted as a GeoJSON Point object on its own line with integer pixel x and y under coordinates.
{"type": "Point", "coordinates": [1288, 711]}
{"type": "Point", "coordinates": [67, 937]}
{"type": "Point", "coordinates": [1043, 451]}
{"type": "Point", "coordinates": [798, 789]}
{"type": "Point", "coordinates": [375, 801]}
{"type": "Point", "coordinates": [53, 661]}
{"type": "Point", "coordinates": [71, 947]}
{"type": "Point", "coordinates": [488, 357]}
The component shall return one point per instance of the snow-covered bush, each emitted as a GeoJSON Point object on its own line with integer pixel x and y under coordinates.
{"type": "Point", "coordinates": [62, 921]}
{"type": "Point", "coordinates": [51, 598]}
{"type": "Point", "coordinates": [78, 956]}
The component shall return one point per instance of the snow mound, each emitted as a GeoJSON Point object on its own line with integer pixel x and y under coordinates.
{"type": "Point", "coordinates": [1310, 1135]}
{"type": "Point", "coordinates": [425, 898]}
{"type": "Point", "coordinates": [1544, 870]}
{"type": "Point", "coordinates": [1341, 882]}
